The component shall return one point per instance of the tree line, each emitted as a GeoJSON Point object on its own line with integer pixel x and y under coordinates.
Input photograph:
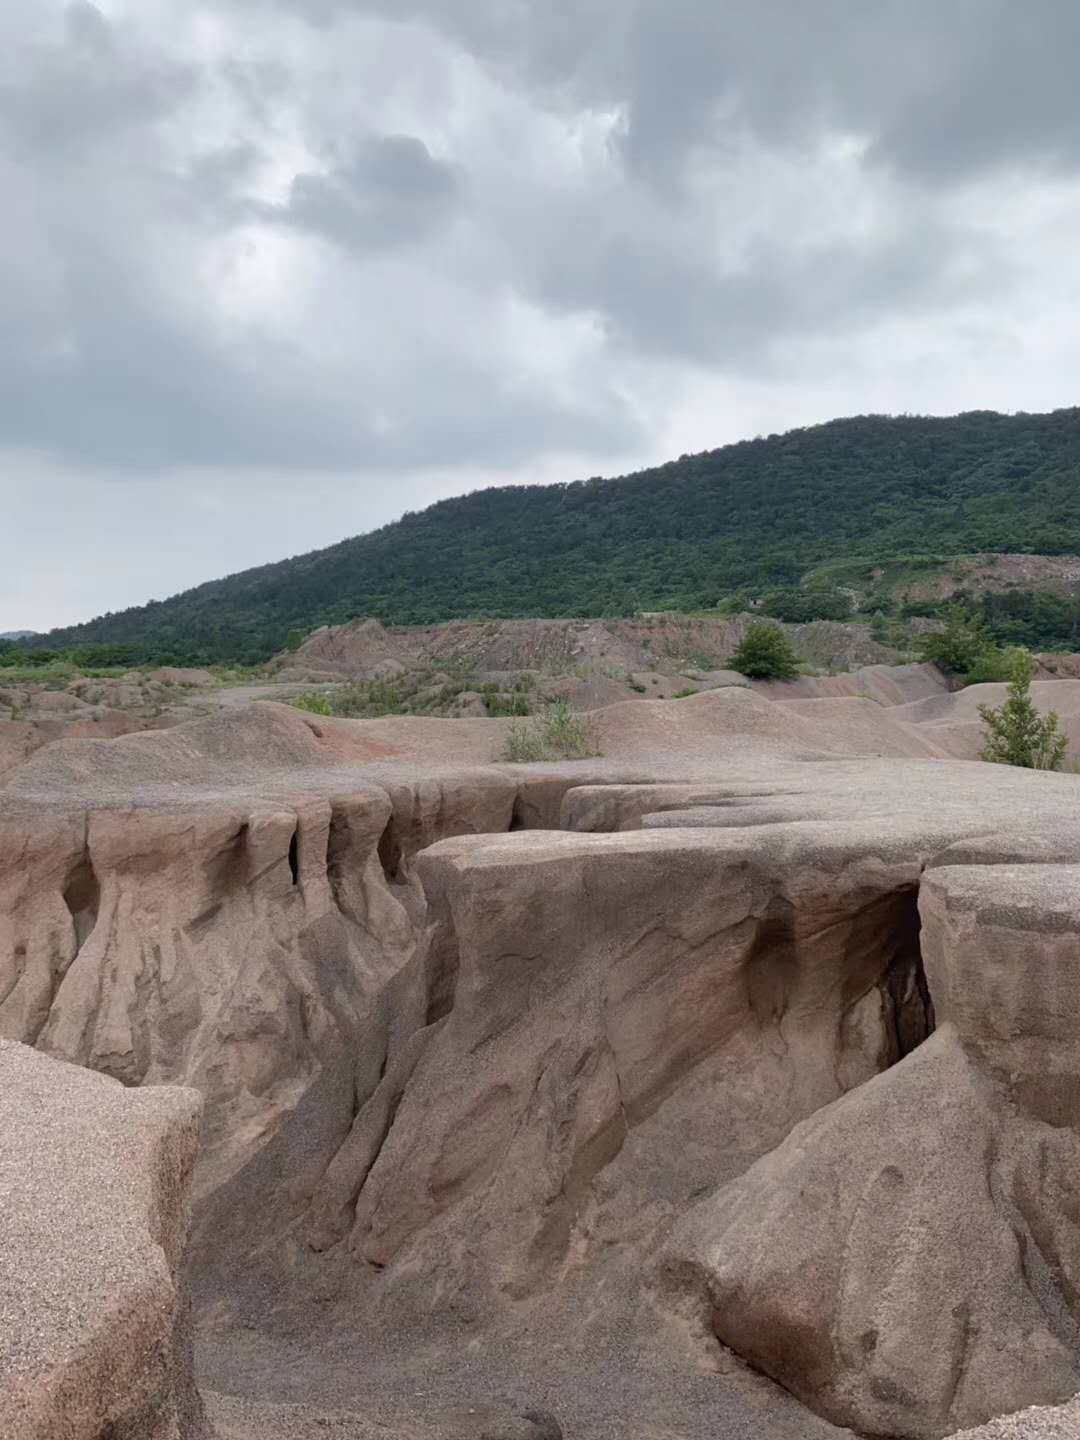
{"type": "Point", "coordinates": [746, 520]}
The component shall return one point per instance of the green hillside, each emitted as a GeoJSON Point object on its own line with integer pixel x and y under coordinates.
{"type": "Point", "coordinates": [760, 514]}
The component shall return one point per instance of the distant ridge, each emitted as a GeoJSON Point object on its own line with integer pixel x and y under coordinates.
{"type": "Point", "coordinates": [682, 535]}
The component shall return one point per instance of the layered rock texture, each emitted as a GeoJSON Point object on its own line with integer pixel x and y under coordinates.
{"type": "Point", "coordinates": [94, 1324]}
{"type": "Point", "coordinates": [907, 1260]}
{"type": "Point", "coordinates": [751, 1042]}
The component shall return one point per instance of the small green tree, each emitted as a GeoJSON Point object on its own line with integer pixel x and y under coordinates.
{"type": "Point", "coordinates": [765, 654]}
{"type": "Point", "coordinates": [958, 647]}
{"type": "Point", "coordinates": [879, 627]}
{"type": "Point", "coordinates": [294, 640]}
{"type": "Point", "coordinates": [1016, 734]}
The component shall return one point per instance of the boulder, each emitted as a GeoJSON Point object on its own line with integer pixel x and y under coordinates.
{"type": "Point", "coordinates": [56, 702]}
{"type": "Point", "coordinates": [182, 675]}
{"type": "Point", "coordinates": [94, 1323]}
{"type": "Point", "coordinates": [470, 703]}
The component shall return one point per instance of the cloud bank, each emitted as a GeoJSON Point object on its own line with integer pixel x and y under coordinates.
{"type": "Point", "coordinates": [272, 273]}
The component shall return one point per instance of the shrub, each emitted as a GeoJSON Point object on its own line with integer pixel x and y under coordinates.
{"type": "Point", "coordinates": [313, 703]}
{"type": "Point", "coordinates": [1016, 734]}
{"type": "Point", "coordinates": [958, 647]}
{"type": "Point", "coordinates": [557, 733]}
{"type": "Point", "coordinates": [524, 744]}
{"type": "Point", "coordinates": [800, 606]}
{"type": "Point", "coordinates": [992, 667]}
{"type": "Point", "coordinates": [765, 654]}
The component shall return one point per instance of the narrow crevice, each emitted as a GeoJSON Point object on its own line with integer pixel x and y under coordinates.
{"type": "Point", "coordinates": [294, 855]}
{"type": "Point", "coordinates": [82, 896]}
{"type": "Point", "coordinates": [19, 957]}
{"type": "Point", "coordinates": [909, 1007]}
{"type": "Point", "coordinates": [442, 978]}
{"type": "Point", "coordinates": [391, 856]}
{"type": "Point", "coordinates": [338, 842]}
{"type": "Point", "coordinates": [228, 867]}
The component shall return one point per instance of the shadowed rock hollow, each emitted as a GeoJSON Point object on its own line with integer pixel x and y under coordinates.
{"type": "Point", "coordinates": [725, 1084]}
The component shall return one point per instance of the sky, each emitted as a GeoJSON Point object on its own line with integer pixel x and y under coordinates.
{"type": "Point", "coordinates": [273, 273]}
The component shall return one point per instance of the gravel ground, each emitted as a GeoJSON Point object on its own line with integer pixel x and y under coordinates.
{"type": "Point", "coordinates": [482, 1394]}
{"type": "Point", "coordinates": [1042, 1423]}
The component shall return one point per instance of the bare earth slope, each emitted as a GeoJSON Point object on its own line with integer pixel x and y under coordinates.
{"type": "Point", "coordinates": [514, 1076]}
{"type": "Point", "coordinates": [366, 647]}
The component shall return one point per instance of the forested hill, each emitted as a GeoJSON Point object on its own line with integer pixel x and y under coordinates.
{"type": "Point", "coordinates": [755, 514]}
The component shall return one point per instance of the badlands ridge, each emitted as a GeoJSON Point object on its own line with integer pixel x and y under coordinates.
{"type": "Point", "coordinates": [726, 1085]}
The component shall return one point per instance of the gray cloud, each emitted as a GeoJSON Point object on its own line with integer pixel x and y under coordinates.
{"type": "Point", "coordinates": [392, 191]}
{"type": "Point", "coordinates": [69, 88]}
{"type": "Point", "coordinates": [942, 90]}
{"type": "Point", "coordinates": [496, 239]}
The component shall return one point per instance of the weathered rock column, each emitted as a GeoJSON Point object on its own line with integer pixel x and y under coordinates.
{"type": "Point", "coordinates": [94, 1182]}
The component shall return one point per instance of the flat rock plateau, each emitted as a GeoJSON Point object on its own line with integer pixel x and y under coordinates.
{"type": "Point", "coordinates": [359, 1083]}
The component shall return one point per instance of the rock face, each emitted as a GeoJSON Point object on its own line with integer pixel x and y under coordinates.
{"type": "Point", "coordinates": [227, 947]}
{"type": "Point", "coordinates": [228, 939]}
{"type": "Point", "coordinates": [569, 986]}
{"type": "Point", "coordinates": [94, 1337]}
{"type": "Point", "coordinates": [908, 1260]}
{"type": "Point", "coordinates": [737, 1033]}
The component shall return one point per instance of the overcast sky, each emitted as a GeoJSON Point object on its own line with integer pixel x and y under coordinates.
{"type": "Point", "coordinates": [272, 274]}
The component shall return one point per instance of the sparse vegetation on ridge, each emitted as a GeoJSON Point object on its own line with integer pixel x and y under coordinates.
{"type": "Point", "coordinates": [418, 692]}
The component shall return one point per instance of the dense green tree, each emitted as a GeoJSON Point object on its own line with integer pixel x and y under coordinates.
{"type": "Point", "coordinates": [797, 606]}
{"type": "Point", "coordinates": [1016, 734]}
{"type": "Point", "coordinates": [958, 646]}
{"type": "Point", "coordinates": [748, 518]}
{"type": "Point", "coordinates": [765, 654]}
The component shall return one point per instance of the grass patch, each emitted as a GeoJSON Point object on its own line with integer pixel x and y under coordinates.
{"type": "Point", "coordinates": [559, 732]}
{"type": "Point", "coordinates": [436, 692]}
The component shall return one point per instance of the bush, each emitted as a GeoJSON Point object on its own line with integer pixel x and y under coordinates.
{"type": "Point", "coordinates": [524, 744]}
{"type": "Point", "coordinates": [557, 733]}
{"type": "Point", "coordinates": [957, 648]}
{"type": "Point", "coordinates": [992, 667]}
{"type": "Point", "coordinates": [765, 654]}
{"type": "Point", "coordinates": [313, 703]}
{"type": "Point", "coordinates": [801, 606]}
{"type": "Point", "coordinates": [1016, 734]}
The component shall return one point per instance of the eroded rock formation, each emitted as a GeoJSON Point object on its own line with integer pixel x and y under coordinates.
{"type": "Point", "coordinates": [655, 1045]}
{"type": "Point", "coordinates": [908, 1260]}
{"type": "Point", "coordinates": [94, 1322]}
{"type": "Point", "coordinates": [568, 987]}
